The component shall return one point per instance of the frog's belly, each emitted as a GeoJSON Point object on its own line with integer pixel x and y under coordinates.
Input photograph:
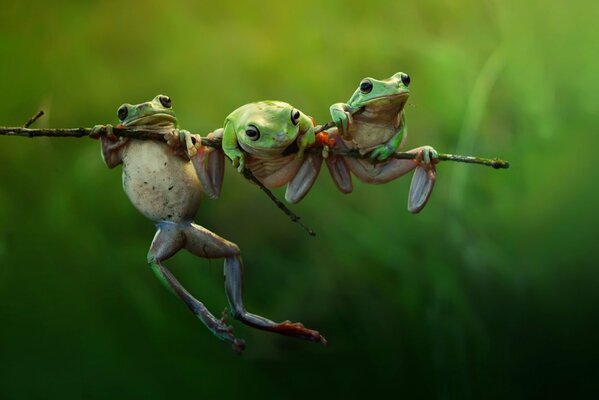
{"type": "Point", "coordinates": [367, 135]}
{"type": "Point", "coordinates": [162, 186]}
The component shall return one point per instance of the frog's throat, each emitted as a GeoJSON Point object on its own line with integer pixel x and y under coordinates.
{"type": "Point", "coordinates": [394, 98]}
{"type": "Point", "coordinates": [161, 120]}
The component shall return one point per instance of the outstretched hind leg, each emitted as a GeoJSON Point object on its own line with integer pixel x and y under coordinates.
{"type": "Point", "coordinates": [169, 239]}
{"type": "Point", "coordinates": [204, 243]}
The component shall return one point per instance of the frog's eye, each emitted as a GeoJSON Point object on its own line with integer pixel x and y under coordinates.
{"type": "Point", "coordinates": [405, 79]}
{"type": "Point", "coordinates": [122, 112]}
{"type": "Point", "coordinates": [295, 116]}
{"type": "Point", "coordinates": [252, 132]}
{"type": "Point", "coordinates": [365, 86]}
{"type": "Point", "coordinates": [165, 101]}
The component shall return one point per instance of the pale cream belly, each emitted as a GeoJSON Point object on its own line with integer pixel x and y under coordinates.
{"type": "Point", "coordinates": [162, 186]}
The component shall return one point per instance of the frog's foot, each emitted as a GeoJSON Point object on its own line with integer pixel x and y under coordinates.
{"type": "Point", "coordinates": [427, 156]}
{"type": "Point", "coordinates": [381, 153]}
{"type": "Point", "coordinates": [234, 283]}
{"type": "Point", "coordinates": [423, 180]}
{"type": "Point", "coordinates": [341, 118]}
{"type": "Point", "coordinates": [297, 329]}
{"type": "Point", "coordinates": [238, 160]}
{"type": "Point", "coordinates": [99, 130]}
{"type": "Point", "coordinates": [183, 143]}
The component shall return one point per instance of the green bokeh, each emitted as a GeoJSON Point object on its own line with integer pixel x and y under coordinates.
{"type": "Point", "coordinates": [491, 292]}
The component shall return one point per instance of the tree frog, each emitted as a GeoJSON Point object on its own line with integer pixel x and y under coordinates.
{"type": "Point", "coordinates": [373, 122]}
{"type": "Point", "coordinates": [269, 138]}
{"type": "Point", "coordinates": [164, 182]}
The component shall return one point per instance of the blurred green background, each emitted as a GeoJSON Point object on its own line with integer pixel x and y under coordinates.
{"type": "Point", "coordinates": [491, 292]}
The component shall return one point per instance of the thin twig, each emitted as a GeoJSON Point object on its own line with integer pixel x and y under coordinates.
{"type": "Point", "coordinates": [33, 119]}
{"type": "Point", "coordinates": [145, 133]}
{"type": "Point", "coordinates": [294, 217]}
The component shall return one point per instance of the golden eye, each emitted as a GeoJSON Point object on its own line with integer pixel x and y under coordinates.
{"type": "Point", "coordinates": [366, 86]}
{"type": "Point", "coordinates": [122, 112]}
{"type": "Point", "coordinates": [252, 132]}
{"type": "Point", "coordinates": [295, 116]}
{"type": "Point", "coordinates": [165, 101]}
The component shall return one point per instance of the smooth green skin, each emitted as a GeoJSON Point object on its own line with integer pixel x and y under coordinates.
{"type": "Point", "coordinates": [341, 112]}
{"type": "Point", "coordinates": [151, 113]}
{"type": "Point", "coordinates": [277, 131]}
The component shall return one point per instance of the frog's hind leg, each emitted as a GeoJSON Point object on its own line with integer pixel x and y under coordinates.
{"type": "Point", "coordinates": [169, 239]}
{"type": "Point", "coordinates": [304, 179]}
{"type": "Point", "coordinates": [204, 243]}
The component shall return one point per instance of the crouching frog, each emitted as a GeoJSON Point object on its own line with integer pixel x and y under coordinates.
{"type": "Point", "coordinates": [269, 138]}
{"type": "Point", "coordinates": [164, 182]}
{"type": "Point", "coordinates": [373, 122]}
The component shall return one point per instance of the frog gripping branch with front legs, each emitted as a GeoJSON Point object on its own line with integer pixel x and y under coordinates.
{"type": "Point", "coordinates": [164, 182]}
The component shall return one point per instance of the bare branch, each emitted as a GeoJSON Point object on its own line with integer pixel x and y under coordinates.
{"type": "Point", "coordinates": [154, 134]}
{"type": "Point", "coordinates": [33, 119]}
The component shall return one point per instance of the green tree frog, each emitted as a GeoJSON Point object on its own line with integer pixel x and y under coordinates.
{"type": "Point", "coordinates": [269, 138]}
{"type": "Point", "coordinates": [373, 122]}
{"type": "Point", "coordinates": [164, 182]}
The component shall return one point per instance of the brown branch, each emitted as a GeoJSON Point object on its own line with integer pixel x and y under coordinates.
{"type": "Point", "coordinates": [33, 119]}
{"type": "Point", "coordinates": [153, 134]}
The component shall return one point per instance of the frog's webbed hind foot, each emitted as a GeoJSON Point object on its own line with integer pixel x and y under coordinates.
{"type": "Point", "coordinates": [169, 239]}
{"type": "Point", "coordinates": [234, 284]}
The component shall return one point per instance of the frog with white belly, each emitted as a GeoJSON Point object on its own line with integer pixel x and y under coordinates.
{"type": "Point", "coordinates": [164, 181]}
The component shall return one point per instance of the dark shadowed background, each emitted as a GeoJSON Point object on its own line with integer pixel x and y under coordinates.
{"type": "Point", "coordinates": [491, 292]}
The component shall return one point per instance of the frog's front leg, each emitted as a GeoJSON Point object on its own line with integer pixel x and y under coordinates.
{"type": "Point", "coordinates": [183, 143]}
{"type": "Point", "coordinates": [209, 164]}
{"type": "Point", "coordinates": [112, 146]}
{"type": "Point", "coordinates": [169, 239]}
{"type": "Point", "coordinates": [384, 150]}
{"type": "Point", "coordinates": [341, 114]}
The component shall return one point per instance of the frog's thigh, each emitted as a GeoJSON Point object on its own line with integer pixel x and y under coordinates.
{"type": "Point", "coordinates": [340, 173]}
{"type": "Point", "coordinates": [168, 240]}
{"type": "Point", "coordinates": [305, 177]}
{"type": "Point", "coordinates": [380, 172]}
{"type": "Point", "coordinates": [203, 243]}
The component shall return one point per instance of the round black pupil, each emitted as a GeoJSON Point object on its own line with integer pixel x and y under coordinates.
{"type": "Point", "coordinates": [165, 101]}
{"type": "Point", "coordinates": [122, 113]}
{"type": "Point", "coordinates": [405, 78]}
{"type": "Point", "coordinates": [251, 131]}
{"type": "Point", "coordinates": [296, 115]}
{"type": "Point", "coordinates": [366, 86]}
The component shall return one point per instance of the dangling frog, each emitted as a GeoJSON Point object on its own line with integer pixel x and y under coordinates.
{"type": "Point", "coordinates": [164, 182]}
{"type": "Point", "coordinates": [269, 138]}
{"type": "Point", "coordinates": [373, 122]}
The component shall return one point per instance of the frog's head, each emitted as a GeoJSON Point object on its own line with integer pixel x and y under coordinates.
{"type": "Point", "coordinates": [370, 91]}
{"type": "Point", "coordinates": [157, 112]}
{"type": "Point", "coordinates": [266, 128]}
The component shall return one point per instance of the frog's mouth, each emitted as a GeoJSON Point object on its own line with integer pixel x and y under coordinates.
{"type": "Point", "coordinates": [394, 101]}
{"type": "Point", "coordinates": [159, 120]}
{"type": "Point", "coordinates": [270, 151]}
